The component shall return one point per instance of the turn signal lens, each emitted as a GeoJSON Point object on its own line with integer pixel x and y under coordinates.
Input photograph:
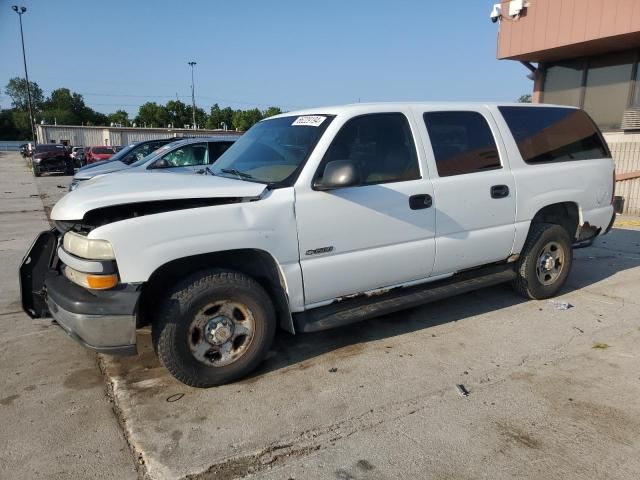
{"type": "Point", "coordinates": [93, 282]}
{"type": "Point", "coordinates": [102, 282]}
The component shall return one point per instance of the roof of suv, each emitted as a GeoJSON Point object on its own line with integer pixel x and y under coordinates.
{"type": "Point", "coordinates": [390, 106]}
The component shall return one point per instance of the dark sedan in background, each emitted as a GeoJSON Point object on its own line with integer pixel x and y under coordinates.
{"type": "Point", "coordinates": [51, 157]}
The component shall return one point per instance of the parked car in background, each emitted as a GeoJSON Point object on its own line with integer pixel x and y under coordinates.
{"type": "Point", "coordinates": [77, 154]}
{"type": "Point", "coordinates": [24, 150]}
{"type": "Point", "coordinates": [51, 157]}
{"type": "Point", "coordinates": [97, 154]}
{"type": "Point", "coordinates": [141, 154]}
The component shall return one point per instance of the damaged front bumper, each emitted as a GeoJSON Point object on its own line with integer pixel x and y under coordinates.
{"type": "Point", "coordinates": [103, 321]}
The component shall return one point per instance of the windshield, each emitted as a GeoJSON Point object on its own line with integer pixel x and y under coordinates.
{"type": "Point", "coordinates": [49, 148]}
{"type": "Point", "coordinates": [272, 151]}
{"type": "Point", "coordinates": [123, 152]}
{"type": "Point", "coordinates": [155, 153]}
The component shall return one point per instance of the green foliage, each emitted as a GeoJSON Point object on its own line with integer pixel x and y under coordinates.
{"type": "Point", "coordinates": [524, 98]}
{"type": "Point", "coordinates": [17, 90]}
{"type": "Point", "coordinates": [271, 111]}
{"type": "Point", "coordinates": [119, 117]}
{"type": "Point", "coordinates": [65, 107]}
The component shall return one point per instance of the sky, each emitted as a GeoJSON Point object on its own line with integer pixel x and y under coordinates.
{"type": "Point", "coordinates": [291, 54]}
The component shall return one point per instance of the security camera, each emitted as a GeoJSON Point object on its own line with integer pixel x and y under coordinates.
{"type": "Point", "coordinates": [496, 12]}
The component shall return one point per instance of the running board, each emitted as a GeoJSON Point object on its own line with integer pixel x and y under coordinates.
{"type": "Point", "coordinates": [344, 312]}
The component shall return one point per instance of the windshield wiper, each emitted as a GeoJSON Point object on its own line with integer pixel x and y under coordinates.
{"type": "Point", "coordinates": [236, 172]}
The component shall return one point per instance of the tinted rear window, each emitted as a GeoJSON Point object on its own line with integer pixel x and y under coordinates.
{"type": "Point", "coordinates": [462, 143]}
{"type": "Point", "coordinates": [102, 151]}
{"type": "Point", "coordinates": [550, 134]}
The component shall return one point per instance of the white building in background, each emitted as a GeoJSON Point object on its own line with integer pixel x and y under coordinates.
{"type": "Point", "coordinates": [84, 136]}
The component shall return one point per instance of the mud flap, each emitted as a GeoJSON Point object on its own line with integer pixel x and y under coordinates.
{"type": "Point", "coordinates": [36, 266]}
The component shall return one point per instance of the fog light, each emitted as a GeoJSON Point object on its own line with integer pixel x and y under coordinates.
{"type": "Point", "coordinates": [91, 281]}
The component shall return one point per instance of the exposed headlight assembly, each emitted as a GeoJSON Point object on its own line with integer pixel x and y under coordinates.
{"type": "Point", "coordinates": [88, 248]}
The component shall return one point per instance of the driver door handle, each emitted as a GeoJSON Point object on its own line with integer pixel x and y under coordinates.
{"type": "Point", "coordinates": [418, 202]}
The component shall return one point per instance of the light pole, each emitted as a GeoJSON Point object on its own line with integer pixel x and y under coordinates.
{"type": "Point", "coordinates": [20, 11]}
{"type": "Point", "coordinates": [193, 96]}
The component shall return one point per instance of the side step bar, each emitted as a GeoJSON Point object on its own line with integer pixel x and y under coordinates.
{"type": "Point", "coordinates": [363, 307]}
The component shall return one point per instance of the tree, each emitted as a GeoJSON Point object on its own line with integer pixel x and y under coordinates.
{"type": "Point", "coordinates": [524, 99]}
{"type": "Point", "coordinates": [243, 120]}
{"type": "Point", "coordinates": [68, 108]}
{"type": "Point", "coordinates": [17, 90]}
{"type": "Point", "coordinates": [8, 129]}
{"type": "Point", "coordinates": [271, 111]}
{"type": "Point", "coordinates": [218, 117]}
{"type": "Point", "coordinates": [119, 117]}
{"type": "Point", "coordinates": [151, 113]}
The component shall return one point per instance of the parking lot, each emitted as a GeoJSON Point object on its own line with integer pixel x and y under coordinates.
{"type": "Point", "coordinates": [484, 385]}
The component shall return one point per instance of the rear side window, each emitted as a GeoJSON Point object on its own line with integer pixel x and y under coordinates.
{"type": "Point", "coordinates": [381, 144]}
{"type": "Point", "coordinates": [550, 134]}
{"type": "Point", "coordinates": [462, 143]}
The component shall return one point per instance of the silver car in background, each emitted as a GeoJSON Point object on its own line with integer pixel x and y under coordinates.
{"type": "Point", "coordinates": [191, 155]}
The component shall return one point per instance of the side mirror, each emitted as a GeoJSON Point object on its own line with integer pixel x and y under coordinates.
{"type": "Point", "coordinates": [162, 163]}
{"type": "Point", "coordinates": [339, 174]}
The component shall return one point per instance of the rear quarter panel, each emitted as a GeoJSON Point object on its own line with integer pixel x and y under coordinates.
{"type": "Point", "coordinates": [588, 183]}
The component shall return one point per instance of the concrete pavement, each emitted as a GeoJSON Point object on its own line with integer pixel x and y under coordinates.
{"type": "Point", "coordinates": [379, 400]}
{"type": "Point", "coordinates": [56, 420]}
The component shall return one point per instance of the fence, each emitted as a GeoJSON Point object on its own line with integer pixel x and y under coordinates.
{"type": "Point", "coordinates": [11, 146]}
{"type": "Point", "coordinates": [625, 149]}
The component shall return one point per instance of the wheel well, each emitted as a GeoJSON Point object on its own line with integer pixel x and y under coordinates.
{"type": "Point", "coordinates": [258, 264]}
{"type": "Point", "coordinates": [564, 214]}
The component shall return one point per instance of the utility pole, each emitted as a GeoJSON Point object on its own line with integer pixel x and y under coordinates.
{"type": "Point", "coordinates": [20, 11]}
{"type": "Point", "coordinates": [193, 96]}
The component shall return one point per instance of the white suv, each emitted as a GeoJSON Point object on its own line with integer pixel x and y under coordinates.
{"type": "Point", "coordinates": [321, 218]}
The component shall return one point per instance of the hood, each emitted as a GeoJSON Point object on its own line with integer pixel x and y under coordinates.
{"type": "Point", "coordinates": [131, 187]}
{"type": "Point", "coordinates": [100, 168]}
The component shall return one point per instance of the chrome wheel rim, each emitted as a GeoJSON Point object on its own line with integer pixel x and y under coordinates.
{"type": "Point", "coordinates": [221, 333]}
{"type": "Point", "coordinates": [550, 263]}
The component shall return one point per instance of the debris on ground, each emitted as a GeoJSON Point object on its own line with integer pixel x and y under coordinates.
{"type": "Point", "coordinates": [601, 346]}
{"type": "Point", "coordinates": [333, 370]}
{"type": "Point", "coordinates": [559, 305]}
{"type": "Point", "coordinates": [462, 390]}
{"type": "Point", "coordinates": [175, 397]}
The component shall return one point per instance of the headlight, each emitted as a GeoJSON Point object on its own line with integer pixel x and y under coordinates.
{"type": "Point", "coordinates": [84, 247]}
{"type": "Point", "coordinates": [37, 160]}
{"type": "Point", "coordinates": [90, 280]}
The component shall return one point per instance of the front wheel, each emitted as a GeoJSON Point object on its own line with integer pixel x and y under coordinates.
{"type": "Point", "coordinates": [36, 171]}
{"type": "Point", "coordinates": [545, 261]}
{"type": "Point", "coordinates": [214, 327]}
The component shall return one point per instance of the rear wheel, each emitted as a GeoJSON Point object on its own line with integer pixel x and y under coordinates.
{"type": "Point", "coordinates": [214, 327]}
{"type": "Point", "coordinates": [545, 261]}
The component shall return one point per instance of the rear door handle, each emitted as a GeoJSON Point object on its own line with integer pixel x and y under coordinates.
{"type": "Point", "coordinates": [499, 191]}
{"type": "Point", "coordinates": [418, 202]}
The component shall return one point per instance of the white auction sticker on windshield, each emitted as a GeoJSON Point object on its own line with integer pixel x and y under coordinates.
{"type": "Point", "coordinates": [309, 121]}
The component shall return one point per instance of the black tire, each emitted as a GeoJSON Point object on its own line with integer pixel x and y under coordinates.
{"type": "Point", "coordinates": [528, 282]}
{"type": "Point", "coordinates": [174, 326]}
{"type": "Point", "coordinates": [36, 171]}
{"type": "Point", "coordinates": [70, 170]}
